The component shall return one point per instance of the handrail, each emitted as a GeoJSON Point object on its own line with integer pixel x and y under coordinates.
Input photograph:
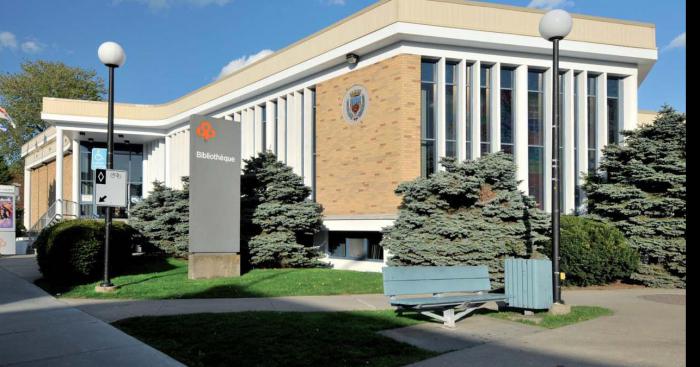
{"type": "Point", "coordinates": [51, 216]}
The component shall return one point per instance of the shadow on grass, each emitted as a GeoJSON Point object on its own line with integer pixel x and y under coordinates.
{"type": "Point", "coordinates": [142, 264]}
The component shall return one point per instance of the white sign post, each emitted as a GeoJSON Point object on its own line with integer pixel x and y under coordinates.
{"type": "Point", "coordinates": [8, 194]}
{"type": "Point", "coordinates": [110, 188]}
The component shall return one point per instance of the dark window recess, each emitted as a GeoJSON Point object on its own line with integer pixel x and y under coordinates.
{"type": "Point", "coordinates": [355, 245]}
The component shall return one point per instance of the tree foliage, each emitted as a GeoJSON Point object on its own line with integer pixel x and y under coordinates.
{"type": "Point", "coordinates": [21, 95]}
{"type": "Point", "coordinates": [279, 221]}
{"type": "Point", "coordinates": [641, 189]}
{"type": "Point", "coordinates": [472, 213]}
{"type": "Point", "coordinates": [163, 217]}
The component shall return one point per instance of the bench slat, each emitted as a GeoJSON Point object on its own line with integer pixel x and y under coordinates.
{"type": "Point", "coordinates": [434, 272]}
{"type": "Point", "coordinates": [435, 279]}
{"type": "Point", "coordinates": [455, 300]}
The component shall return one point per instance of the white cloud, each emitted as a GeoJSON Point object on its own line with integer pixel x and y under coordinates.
{"type": "Point", "coordinates": [241, 62]}
{"type": "Point", "coordinates": [7, 40]}
{"type": "Point", "coordinates": [31, 47]}
{"type": "Point", "coordinates": [334, 2]}
{"type": "Point", "coordinates": [164, 4]}
{"type": "Point", "coordinates": [678, 42]}
{"type": "Point", "coordinates": [550, 4]}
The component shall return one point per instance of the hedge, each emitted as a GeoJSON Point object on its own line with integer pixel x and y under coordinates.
{"type": "Point", "coordinates": [72, 252]}
{"type": "Point", "coordinates": [593, 253]}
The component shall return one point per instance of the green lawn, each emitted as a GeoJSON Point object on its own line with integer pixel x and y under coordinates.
{"type": "Point", "coordinates": [168, 279]}
{"type": "Point", "coordinates": [578, 314]}
{"type": "Point", "coordinates": [278, 339]}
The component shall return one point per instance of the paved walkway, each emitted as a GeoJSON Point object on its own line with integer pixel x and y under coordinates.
{"type": "Point", "coordinates": [647, 329]}
{"type": "Point", "coordinates": [38, 330]}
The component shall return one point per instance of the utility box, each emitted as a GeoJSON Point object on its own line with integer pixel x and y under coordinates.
{"type": "Point", "coordinates": [529, 283]}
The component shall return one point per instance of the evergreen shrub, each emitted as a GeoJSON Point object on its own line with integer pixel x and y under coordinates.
{"type": "Point", "coordinates": [641, 189]}
{"type": "Point", "coordinates": [472, 213]}
{"type": "Point", "coordinates": [163, 217]}
{"type": "Point", "coordinates": [593, 252]}
{"type": "Point", "coordinates": [72, 252]}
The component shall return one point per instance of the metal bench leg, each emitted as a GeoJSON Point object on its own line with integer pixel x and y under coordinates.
{"type": "Point", "coordinates": [449, 317]}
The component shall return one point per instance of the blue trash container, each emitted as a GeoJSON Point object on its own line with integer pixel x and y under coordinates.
{"type": "Point", "coordinates": [529, 283]}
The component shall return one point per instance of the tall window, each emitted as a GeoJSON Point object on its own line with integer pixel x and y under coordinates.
{"type": "Point", "coordinates": [263, 123]}
{"type": "Point", "coordinates": [613, 110]}
{"type": "Point", "coordinates": [577, 170]}
{"type": "Point", "coordinates": [535, 135]}
{"type": "Point", "coordinates": [428, 99]}
{"type": "Point", "coordinates": [592, 122]}
{"type": "Point", "coordinates": [485, 109]}
{"type": "Point", "coordinates": [561, 119]}
{"type": "Point", "coordinates": [468, 111]}
{"type": "Point", "coordinates": [451, 109]}
{"type": "Point", "coordinates": [507, 122]}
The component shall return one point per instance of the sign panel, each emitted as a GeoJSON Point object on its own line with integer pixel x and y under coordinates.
{"type": "Point", "coordinates": [7, 220]}
{"type": "Point", "coordinates": [215, 185]}
{"type": "Point", "coordinates": [99, 158]}
{"type": "Point", "coordinates": [110, 188]}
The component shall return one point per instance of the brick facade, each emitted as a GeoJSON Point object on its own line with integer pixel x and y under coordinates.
{"type": "Point", "coordinates": [359, 166]}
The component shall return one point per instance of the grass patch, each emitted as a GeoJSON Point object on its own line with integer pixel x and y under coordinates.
{"type": "Point", "coordinates": [546, 320]}
{"type": "Point", "coordinates": [167, 279]}
{"type": "Point", "coordinates": [278, 338]}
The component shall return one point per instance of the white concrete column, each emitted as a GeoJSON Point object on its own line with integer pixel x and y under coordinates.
{"type": "Point", "coordinates": [462, 110]}
{"type": "Point", "coordinates": [271, 126]}
{"type": "Point", "coordinates": [495, 107]}
{"type": "Point", "coordinates": [628, 102]}
{"type": "Point", "coordinates": [27, 200]}
{"type": "Point", "coordinates": [297, 144]}
{"type": "Point", "coordinates": [568, 170]}
{"type": "Point", "coordinates": [547, 93]}
{"type": "Point", "coordinates": [282, 129]}
{"type": "Point", "coordinates": [258, 136]}
{"type": "Point", "coordinates": [602, 115]}
{"type": "Point", "coordinates": [476, 110]}
{"type": "Point", "coordinates": [75, 188]}
{"type": "Point", "coordinates": [520, 130]}
{"type": "Point", "coordinates": [308, 139]}
{"type": "Point", "coordinates": [59, 171]}
{"type": "Point", "coordinates": [440, 110]}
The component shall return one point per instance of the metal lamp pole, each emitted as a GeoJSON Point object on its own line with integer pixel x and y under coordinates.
{"type": "Point", "coordinates": [112, 55]}
{"type": "Point", "coordinates": [110, 162]}
{"type": "Point", "coordinates": [554, 26]}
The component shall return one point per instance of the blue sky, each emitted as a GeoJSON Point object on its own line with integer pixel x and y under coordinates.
{"type": "Point", "coordinates": [176, 46]}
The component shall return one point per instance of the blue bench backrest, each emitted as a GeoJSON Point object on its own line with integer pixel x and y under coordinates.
{"type": "Point", "coordinates": [402, 280]}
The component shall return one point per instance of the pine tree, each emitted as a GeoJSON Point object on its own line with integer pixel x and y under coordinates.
{"type": "Point", "coordinates": [278, 219]}
{"type": "Point", "coordinates": [472, 213]}
{"type": "Point", "coordinates": [163, 217]}
{"type": "Point", "coordinates": [641, 189]}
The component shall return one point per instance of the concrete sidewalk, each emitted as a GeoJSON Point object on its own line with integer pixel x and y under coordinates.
{"type": "Point", "coordinates": [38, 330]}
{"type": "Point", "coordinates": [647, 329]}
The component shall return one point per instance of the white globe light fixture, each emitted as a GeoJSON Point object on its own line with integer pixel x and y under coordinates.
{"type": "Point", "coordinates": [554, 26]}
{"type": "Point", "coordinates": [111, 54]}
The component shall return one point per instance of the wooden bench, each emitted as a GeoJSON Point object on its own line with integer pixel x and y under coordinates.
{"type": "Point", "coordinates": [442, 282]}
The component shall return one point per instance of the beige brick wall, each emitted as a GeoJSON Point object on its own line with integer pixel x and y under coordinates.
{"type": "Point", "coordinates": [359, 166]}
{"type": "Point", "coordinates": [43, 186]}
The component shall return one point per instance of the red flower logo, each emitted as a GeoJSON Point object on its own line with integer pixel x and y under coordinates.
{"type": "Point", "coordinates": [205, 131]}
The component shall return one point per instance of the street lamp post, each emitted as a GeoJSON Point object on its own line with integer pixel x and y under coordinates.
{"type": "Point", "coordinates": [554, 26]}
{"type": "Point", "coordinates": [112, 55]}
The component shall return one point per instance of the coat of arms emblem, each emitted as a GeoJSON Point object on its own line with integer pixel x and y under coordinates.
{"type": "Point", "coordinates": [355, 104]}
